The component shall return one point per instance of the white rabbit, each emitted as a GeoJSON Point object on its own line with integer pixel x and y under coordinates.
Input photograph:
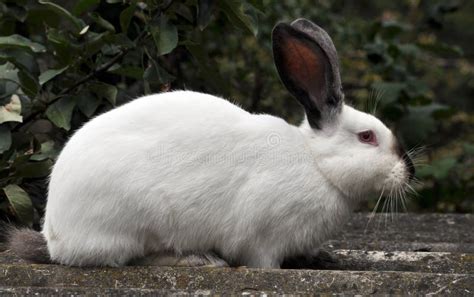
{"type": "Point", "coordinates": [192, 179]}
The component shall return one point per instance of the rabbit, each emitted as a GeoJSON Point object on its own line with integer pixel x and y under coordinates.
{"type": "Point", "coordinates": [189, 179]}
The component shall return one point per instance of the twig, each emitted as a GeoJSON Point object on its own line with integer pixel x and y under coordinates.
{"type": "Point", "coordinates": [98, 70]}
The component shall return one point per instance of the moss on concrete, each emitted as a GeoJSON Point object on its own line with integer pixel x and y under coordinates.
{"type": "Point", "coordinates": [234, 280]}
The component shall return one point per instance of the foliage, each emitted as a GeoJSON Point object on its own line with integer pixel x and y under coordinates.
{"type": "Point", "coordinates": [64, 62]}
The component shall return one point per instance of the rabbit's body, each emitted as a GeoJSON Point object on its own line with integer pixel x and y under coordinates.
{"type": "Point", "coordinates": [187, 172]}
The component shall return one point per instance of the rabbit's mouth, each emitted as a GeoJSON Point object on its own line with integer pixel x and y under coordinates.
{"type": "Point", "coordinates": [397, 181]}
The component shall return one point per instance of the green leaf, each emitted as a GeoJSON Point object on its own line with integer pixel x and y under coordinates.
{"type": "Point", "coordinates": [185, 11]}
{"type": "Point", "coordinates": [21, 203]}
{"type": "Point", "coordinates": [9, 74]}
{"type": "Point", "coordinates": [120, 39]}
{"type": "Point", "coordinates": [422, 118]}
{"type": "Point", "coordinates": [210, 71]}
{"type": "Point", "coordinates": [416, 89]}
{"type": "Point", "coordinates": [240, 14]}
{"type": "Point", "coordinates": [47, 151]}
{"type": "Point", "coordinates": [258, 4]}
{"type": "Point", "coordinates": [88, 103]}
{"type": "Point", "coordinates": [95, 42]}
{"type": "Point", "coordinates": [391, 29]}
{"type": "Point", "coordinates": [18, 12]}
{"type": "Point", "coordinates": [29, 83]}
{"type": "Point", "coordinates": [102, 22]}
{"type": "Point", "coordinates": [20, 160]}
{"type": "Point", "coordinates": [78, 23]}
{"type": "Point", "coordinates": [22, 59]}
{"type": "Point", "coordinates": [60, 113]}
{"type": "Point", "coordinates": [105, 91]}
{"type": "Point", "coordinates": [442, 49]}
{"type": "Point", "coordinates": [5, 138]}
{"type": "Point", "coordinates": [34, 169]}
{"type": "Point", "coordinates": [22, 78]}
{"type": "Point", "coordinates": [155, 74]}
{"type": "Point", "coordinates": [126, 16]}
{"type": "Point", "coordinates": [11, 112]}
{"type": "Point", "coordinates": [64, 50]}
{"type": "Point", "coordinates": [468, 148]}
{"type": "Point", "coordinates": [377, 52]}
{"type": "Point", "coordinates": [84, 5]}
{"type": "Point", "coordinates": [50, 74]}
{"type": "Point", "coordinates": [165, 35]}
{"type": "Point", "coordinates": [441, 168]}
{"type": "Point", "coordinates": [20, 41]}
{"type": "Point", "coordinates": [388, 91]}
{"type": "Point", "coordinates": [409, 49]}
{"type": "Point", "coordinates": [204, 13]}
{"type": "Point", "coordinates": [128, 71]}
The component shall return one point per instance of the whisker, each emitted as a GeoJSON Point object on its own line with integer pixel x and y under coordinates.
{"type": "Point", "coordinates": [391, 206]}
{"type": "Point", "coordinates": [418, 163]}
{"type": "Point", "coordinates": [403, 201]}
{"type": "Point", "coordinates": [419, 159]}
{"type": "Point", "coordinates": [387, 210]}
{"type": "Point", "coordinates": [396, 204]}
{"type": "Point", "coordinates": [373, 100]}
{"type": "Point", "coordinates": [417, 149]}
{"type": "Point", "coordinates": [411, 189]}
{"type": "Point", "coordinates": [386, 206]}
{"type": "Point", "coordinates": [415, 181]}
{"type": "Point", "coordinates": [371, 216]}
{"type": "Point", "coordinates": [383, 212]}
{"type": "Point", "coordinates": [368, 102]}
{"type": "Point", "coordinates": [398, 197]}
{"type": "Point", "coordinates": [378, 96]}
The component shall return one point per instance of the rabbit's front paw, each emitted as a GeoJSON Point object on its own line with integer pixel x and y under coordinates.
{"type": "Point", "coordinates": [181, 260]}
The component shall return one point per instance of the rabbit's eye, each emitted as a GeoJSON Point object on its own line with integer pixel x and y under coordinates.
{"type": "Point", "coordinates": [368, 137]}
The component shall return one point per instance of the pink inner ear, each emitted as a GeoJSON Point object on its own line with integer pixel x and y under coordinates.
{"type": "Point", "coordinates": [303, 65]}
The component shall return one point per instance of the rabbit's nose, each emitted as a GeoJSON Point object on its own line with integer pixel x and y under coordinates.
{"type": "Point", "coordinates": [406, 159]}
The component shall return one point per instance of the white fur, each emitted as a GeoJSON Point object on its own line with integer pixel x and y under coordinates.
{"type": "Point", "coordinates": [190, 172]}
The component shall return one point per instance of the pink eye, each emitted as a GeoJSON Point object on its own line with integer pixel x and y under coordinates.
{"type": "Point", "coordinates": [367, 137]}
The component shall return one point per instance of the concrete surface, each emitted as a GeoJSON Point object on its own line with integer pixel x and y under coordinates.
{"type": "Point", "coordinates": [429, 254]}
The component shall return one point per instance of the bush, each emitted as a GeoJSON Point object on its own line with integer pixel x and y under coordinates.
{"type": "Point", "coordinates": [61, 64]}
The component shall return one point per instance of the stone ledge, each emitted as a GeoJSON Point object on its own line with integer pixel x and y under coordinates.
{"type": "Point", "coordinates": [392, 246]}
{"type": "Point", "coordinates": [362, 260]}
{"type": "Point", "coordinates": [415, 254]}
{"type": "Point", "coordinates": [229, 280]}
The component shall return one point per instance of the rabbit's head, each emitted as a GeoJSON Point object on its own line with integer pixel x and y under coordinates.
{"type": "Point", "coordinates": [354, 150]}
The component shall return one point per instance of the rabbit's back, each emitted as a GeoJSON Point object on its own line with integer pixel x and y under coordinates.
{"type": "Point", "coordinates": [138, 142]}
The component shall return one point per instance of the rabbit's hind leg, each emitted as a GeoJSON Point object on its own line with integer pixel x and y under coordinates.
{"type": "Point", "coordinates": [180, 260]}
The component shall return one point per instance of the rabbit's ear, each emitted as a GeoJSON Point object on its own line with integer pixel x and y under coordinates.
{"type": "Point", "coordinates": [307, 63]}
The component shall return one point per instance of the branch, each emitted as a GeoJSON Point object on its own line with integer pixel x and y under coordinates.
{"type": "Point", "coordinates": [93, 74]}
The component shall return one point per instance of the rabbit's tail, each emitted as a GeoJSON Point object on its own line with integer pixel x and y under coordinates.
{"type": "Point", "coordinates": [28, 244]}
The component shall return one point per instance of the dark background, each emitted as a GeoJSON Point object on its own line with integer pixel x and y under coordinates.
{"type": "Point", "coordinates": [62, 63]}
